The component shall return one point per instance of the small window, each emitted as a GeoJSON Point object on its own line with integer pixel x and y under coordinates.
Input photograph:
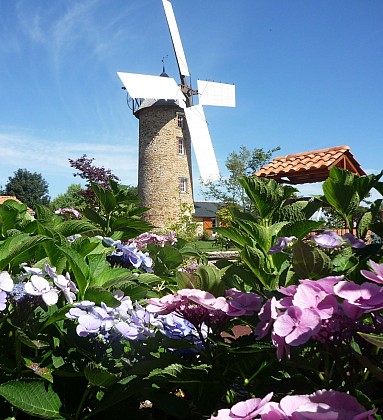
{"type": "Point", "coordinates": [180, 120]}
{"type": "Point", "coordinates": [183, 185]}
{"type": "Point", "coordinates": [181, 147]}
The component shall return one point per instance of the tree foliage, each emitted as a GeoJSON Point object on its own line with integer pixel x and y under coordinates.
{"type": "Point", "coordinates": [70, 199]}
{"type": "Point", "coordinates": [29, 187]}
{"type": "Point", "coordinates": [244, 162]}
{"type": "Point", "coordinates": [91, 173]}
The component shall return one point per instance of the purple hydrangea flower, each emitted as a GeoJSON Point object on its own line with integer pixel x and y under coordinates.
{"type": "Point", "coordinates": [328, 239]}
{"type": "Point", "coordinates": [376, 275]}
{"type": "Point", "coordinates": [132, 323]}
{"type": "Point", "coordinates": [282, 243]}
{"type": "Point", "coordinates": [88, 324]}
{"type": "Point", "coordinates": [38, 286]}
{"type": "Point", "coordinates": [128, 255]}
{"type": "Point", "coordinates": [18, 292]}
{"type": "Point", "coordinates": [353, 241]}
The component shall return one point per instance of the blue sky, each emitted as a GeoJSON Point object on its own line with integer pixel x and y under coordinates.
{"type": "Point", "coordinates": [308, 75]}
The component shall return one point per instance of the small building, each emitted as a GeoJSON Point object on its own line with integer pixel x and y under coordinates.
{"type": "Point", "coordinates": [205, 214]}
{"type": "Point", "coordinates": [4, 198]}
{"type": "Point", "coordinates": [312, 166]}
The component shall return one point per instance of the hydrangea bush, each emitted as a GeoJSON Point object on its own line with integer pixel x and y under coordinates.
{"type": "Point", "coordinates": [101, 318]}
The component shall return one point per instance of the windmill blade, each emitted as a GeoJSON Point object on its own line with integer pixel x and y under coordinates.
{"type": "Point", "coordinates": [218, 94]}
{"type": "Point", "coordinates": [176, 39]}
{"type": "Point", "coordinates": [145, 86]}
{"type": "Point", "coordinates": [202, 145]}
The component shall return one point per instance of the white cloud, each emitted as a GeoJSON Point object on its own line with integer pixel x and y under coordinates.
{"type": "Point", "coordinates": [50, 158]}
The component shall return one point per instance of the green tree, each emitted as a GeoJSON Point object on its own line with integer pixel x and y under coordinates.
{"type": "Point", "coordinates": [243, 163]}
{"type": "Point", "coordinates": [29, 187]}
{"type": "Point", "coordinates": [70, 199]}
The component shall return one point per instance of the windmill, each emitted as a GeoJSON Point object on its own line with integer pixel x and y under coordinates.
{"type": "Point", "coordinates": [169, 121]}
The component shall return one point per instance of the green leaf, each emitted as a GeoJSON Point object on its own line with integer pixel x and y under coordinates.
{"type": "Point", "coordinates": [266, 194]}
{"type": "Point", "coordinates": [34, 397]}
{"type": "Point", "coordinates": [165, 258]}
{"type": "Point", "coordinates": [257, 262]}
{"type": "Point", "coordinates": [71, 227]}
{"type": "Point", "coordinates": [119, 392]}
{"type": "Point", "coordinates": [43, 372]}
{"type": "Point", "coordinates": [95, 217]}
{"type": "Point", "coordinates": [58, 315]}
{"type": "Point", "coordinates": [18, 249]}
{"type": "Point", "coordinates": [235, 235]}
{"type": "Point", "coordinates": [341, 192]}
{"type": "Point", "coordinates": [105, 197]}
{"type": "Point", "coordinates": [310, 262]}
{"type": "Point", "coordinates": [80, 269]}
{"type": "Point", "coordinates": [206, 277]}
{"type": "Point", "coordinates": [375, 339]}
{"type": "Point", "coordinates": [177, 373]}
{"type": "Point", "coordinates": [98, 294]}
{"type": "Point", "coordinates": [377, 228]}
{"type": "Point", "coordinates": [364, 224]}
{"type": "Point", "coordinates": [34, 344]}
{"type": "Point", "coordinates": [365, 183]}
{"type": "Point", "coordinates": [342, 262]}
{"type": "Point", "coordinates": [300, 228]}
{"type": "Point", "coordinates": [97, 375]}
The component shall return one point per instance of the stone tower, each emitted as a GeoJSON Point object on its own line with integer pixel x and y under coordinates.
{"type": "Point", "coordinates": [164, 166]}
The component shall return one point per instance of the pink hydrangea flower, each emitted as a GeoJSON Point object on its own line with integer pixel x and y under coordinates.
{"type": "Point", "coordinates": [242, 303]}
{"type": "Point", "coordinates": [267, 315]}
{"type": "Point", "coordinates": [366, 296]}
{"type": "Point", "coordinates": [205, 299]}
{"type": "Point", "coordinates": [311, 297]}
{"type": "Point", "coordinates": [244, 410]}
{"type": "Point", "coordinates": [377, 276]}
{"type": "Point", "coordinates": [297, 325]}
{"type": "Point", "coordinates": [166, 304]}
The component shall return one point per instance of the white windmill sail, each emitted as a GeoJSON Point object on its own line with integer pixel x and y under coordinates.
{"type": "Point", "coordinates": [202, 145]}
{"type": "Point", "coordinates": [176, 39]}
{"type": "Point", "coordinates": [145, 86]}
{"type": "Point", "coordinates": [214, 93]}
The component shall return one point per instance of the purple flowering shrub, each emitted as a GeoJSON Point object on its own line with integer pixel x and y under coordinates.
{"type": "Point", "coordinates": [118, 325]}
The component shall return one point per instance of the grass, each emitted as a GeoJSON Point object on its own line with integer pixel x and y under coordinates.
{"type": "Point", "coordinates": [209, 246]}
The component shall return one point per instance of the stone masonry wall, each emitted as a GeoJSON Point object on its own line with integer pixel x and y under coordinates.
{"type": "Point", "coordinates": [161, 166]}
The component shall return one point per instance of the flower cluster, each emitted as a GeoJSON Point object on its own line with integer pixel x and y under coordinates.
{"type": "Point", "coordinates": [147, 238]}
{"type": "Point", "coordinates": [177, 328]}
{"type": "Point", "coordinates": [127, 320]}
{"type": "Point", "coordinates": [323, 404]}
{"type": "Point", "coordinates": [198, 306]}
{"type": "Point", "coordinates": [69, 213]}
{"type": "Point", "coordinates": [128, 256]}
{"type": "Point", "coordinates": [328, 239]}
{"type": "Point", "coordinates": [326, 310]}
{"type": "Point", "coordinates": [33, 283]}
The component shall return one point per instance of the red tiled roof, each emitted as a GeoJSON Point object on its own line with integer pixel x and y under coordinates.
{"type": "Point", "coordinates": [4, 198]}
{"type": "Point", "coordinates": [312, 166]}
